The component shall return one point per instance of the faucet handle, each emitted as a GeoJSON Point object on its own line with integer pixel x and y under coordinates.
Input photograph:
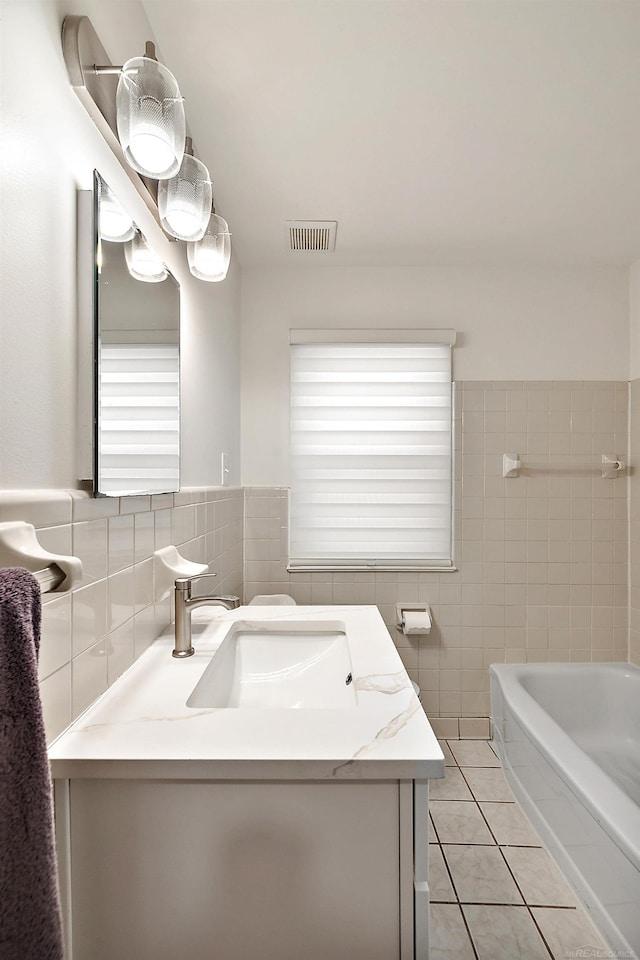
{"type": "Point", "coordinates": [184, 583]}
{"type": "Point", "coordinates": [196, 576]}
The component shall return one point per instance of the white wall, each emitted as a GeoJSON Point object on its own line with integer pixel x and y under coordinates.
{"type": "Point", "coordinates": [210, 350]}
{"type": "Point", "coordinates": [50, 148]}
{"type": "Point", "coordinates": [533, 323]}
{"type": "Point", "coordinates": [634, 320]}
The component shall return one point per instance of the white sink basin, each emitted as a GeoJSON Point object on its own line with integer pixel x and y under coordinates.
{"type": "Point", "coordinates": [291, 664]}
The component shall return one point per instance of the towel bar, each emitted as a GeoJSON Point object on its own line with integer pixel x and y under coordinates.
{"type": "Point", "coordinates": [19, 547]}
{"type": "Point", "coordinates": [49, 578]}
{"type": "Point", "coordinates": [609, 466]}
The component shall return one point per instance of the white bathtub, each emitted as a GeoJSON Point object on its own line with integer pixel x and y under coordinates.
{"type": "Point", "coordinates": [569, 739]}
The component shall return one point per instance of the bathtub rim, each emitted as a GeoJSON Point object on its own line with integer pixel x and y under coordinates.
{"type": "Point", "coordinates": [605, 800]}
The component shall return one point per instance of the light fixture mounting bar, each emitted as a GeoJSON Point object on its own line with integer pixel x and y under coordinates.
{"type": "Point", "coordinates": [82, 51]}
{"type": "Point", "coordinates": [108, 71]}
{"type": "Point", "coordinates": [112, 70]}
{"type": "Point", "coordinates": [96, 87]}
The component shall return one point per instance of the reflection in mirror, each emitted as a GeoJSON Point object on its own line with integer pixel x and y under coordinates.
{"type": "Point", "coordinates": [142, 262]}
{"type": "Point", "coordinates": [137, 359]}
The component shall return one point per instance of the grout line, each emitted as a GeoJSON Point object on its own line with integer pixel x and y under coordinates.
{"type": "Point", "coordinates": [462, 800]}
{"type": "Point", "coordinates": [446, 865]}
{"type": "Point", "coordinates": [554, 906]}
{"type": "Point", "coordinates": [495, 839]}
{"type": "Point", "coordinates": [506, 803]}
{"type": "Point", "coordinates": [523, 846]}
{"type": "Point", "coordinates": [524, 899]}
{"type": "Point", "coordinates": [515, 846]}
{"type": "Point", "coordinates": [469, 787]}
{"type": "Point", "coordinates": [498, 903]}
{"type": "Point", "coordinates": [557, 906]}
{"type": "Point", "coordinates": [433, 824]}
{"type": "Point", "coordinates": [464, 920]}
{"type": "Point", "coordinates": [542, 936]}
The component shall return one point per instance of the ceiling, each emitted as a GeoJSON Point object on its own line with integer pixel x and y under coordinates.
{"type": "Point", "coordinates": [434, 131]}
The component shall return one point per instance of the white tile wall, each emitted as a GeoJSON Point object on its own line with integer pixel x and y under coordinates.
{"type": "Point", "coordinates": [542, 559]}
{"type": "Point", "coordinates": [92, 634]}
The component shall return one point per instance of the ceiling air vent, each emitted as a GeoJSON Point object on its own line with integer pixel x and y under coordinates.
{"type": "Point", "coordinates": [312, 236]}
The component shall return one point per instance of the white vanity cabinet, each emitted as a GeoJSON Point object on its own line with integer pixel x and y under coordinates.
{"type": "Point", "coordinates": [168, 869]}
{"type": "Point", "coordinates": [271, 833]}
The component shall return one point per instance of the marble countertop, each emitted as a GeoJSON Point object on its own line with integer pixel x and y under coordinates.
{"type": "Point", "coordinates": [141, 726]}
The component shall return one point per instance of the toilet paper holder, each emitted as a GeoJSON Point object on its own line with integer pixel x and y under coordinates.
{"type": "Point", "coordinates": [421, 625]}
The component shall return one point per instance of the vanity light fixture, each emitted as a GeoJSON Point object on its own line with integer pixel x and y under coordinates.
{"type": "Point", "coordinates": [139, 111]}
{"type": "Point", "coordinates": [143, 262]}
{"type": "Point", "coordinates": [137, 107]}
{"type": "Point", "coordinates": [115, 223]}
{"type": "Point", "coordinates": [184, 201]}
{"type": "Point", "coordinates": [150, 116]}
{"type": "Point", "coordinates": [209, 257]}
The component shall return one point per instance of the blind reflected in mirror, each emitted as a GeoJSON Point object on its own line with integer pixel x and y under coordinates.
{"type": "Point", "coordinates": [137, 359]}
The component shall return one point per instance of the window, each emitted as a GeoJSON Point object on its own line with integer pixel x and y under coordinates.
{"type": "Point", "coordinates": [371, 449]}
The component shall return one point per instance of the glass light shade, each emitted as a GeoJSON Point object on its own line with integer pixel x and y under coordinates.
{"type": "Point", "coordinates": [184, 201]}
{"type": "Point", "coordinates": [143, 262]}
{"type": "Point", "coordinates": [209, 258]}
{"type": "Point", "coordinates": [114, 222]}
{"type": "Point", "coordinates": [150, 118]}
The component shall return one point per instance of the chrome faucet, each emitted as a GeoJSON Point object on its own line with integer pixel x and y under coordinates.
{"type": "Point", "coordinates": [185, 603]}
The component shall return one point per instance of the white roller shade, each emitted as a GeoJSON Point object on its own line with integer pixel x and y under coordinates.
{"type": "Point", "coordinates": [371, 455]}
{"type": "Point", "coordinates": [139, 400]}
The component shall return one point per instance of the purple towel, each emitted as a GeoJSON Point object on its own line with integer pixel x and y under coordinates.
{"type": "Point", "coordinates": [30, 927]}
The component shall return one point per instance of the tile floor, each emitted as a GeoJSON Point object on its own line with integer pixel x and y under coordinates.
{"type": "Point", "coordinates": [495, 892]}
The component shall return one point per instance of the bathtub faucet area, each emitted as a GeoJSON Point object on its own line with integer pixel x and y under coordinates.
{"type": "Point", "coordinates": [185, 603]}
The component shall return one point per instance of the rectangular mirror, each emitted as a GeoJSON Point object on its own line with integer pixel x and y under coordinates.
{"type": "Point", "coordinates": [136, 358]}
